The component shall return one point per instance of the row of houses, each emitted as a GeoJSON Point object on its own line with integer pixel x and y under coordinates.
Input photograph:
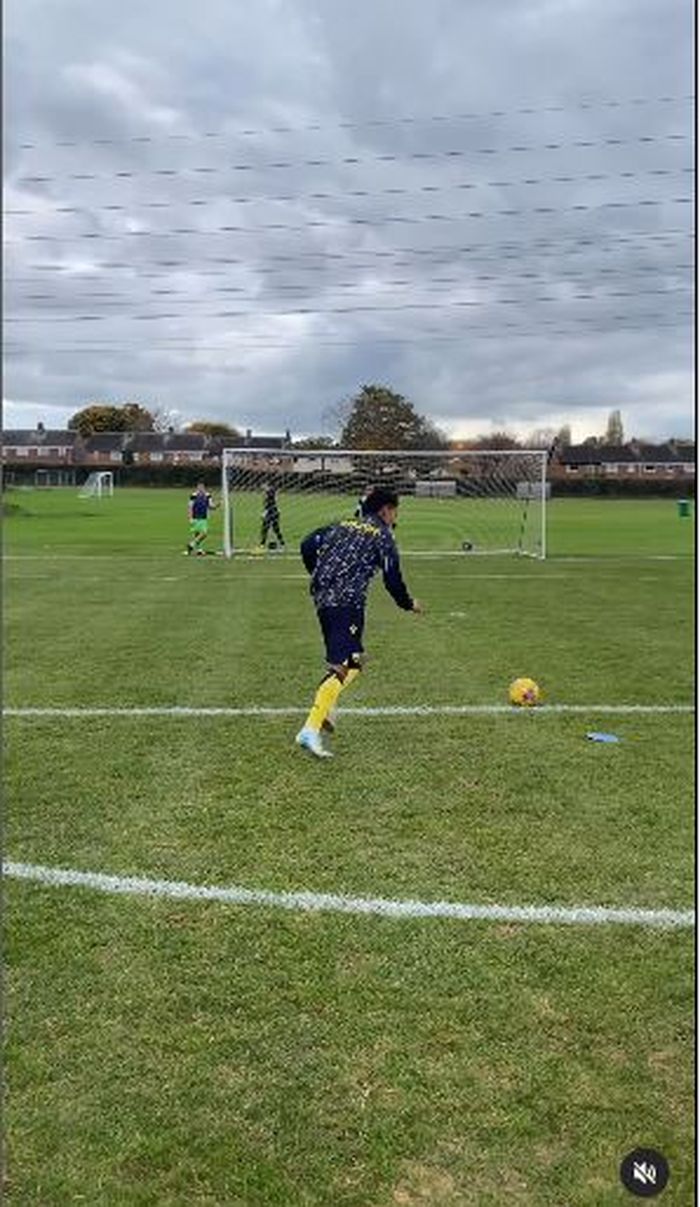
{"type": "Point", "coordinates": [67, 450]}
{"type": "Point", "coordinates": [675, 459]}
{"type": "Point", "coordinates": [105, 450]}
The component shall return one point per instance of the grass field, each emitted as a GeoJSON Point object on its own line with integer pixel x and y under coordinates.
{"type": "Point", "coordinates": [181, 1051]}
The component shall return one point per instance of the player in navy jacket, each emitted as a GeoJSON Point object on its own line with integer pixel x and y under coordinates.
{"type": "Point", "coordinates": [342, 560]}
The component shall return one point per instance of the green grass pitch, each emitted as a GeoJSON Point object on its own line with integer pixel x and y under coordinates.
{"type": "Point", "coordinates": [186, 1052]}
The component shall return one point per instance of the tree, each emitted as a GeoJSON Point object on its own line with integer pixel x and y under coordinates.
{"type": "Point", "coordinates": [105, 417]}
{"type": "Point", "coordinates": [614, 433]}
{"type": "Point", "coordinates": [211, 427]}
{"type": "Point", "coordinates": [137, 418]}
{"type": "Point", "coordinates": [542, 437]}
{"type": "Point", "coordinates": [379, 418]}
{"type": "Point", "coordinates": [166, 421]}
{"type": "Point", "coordinates": [497, 441]}
{"type": "Point", "coordinates": [97, 417]}
{"type": "Point", "coordinates": [313, 442]}
{"type": "Point", "coordinates": [549, 437]}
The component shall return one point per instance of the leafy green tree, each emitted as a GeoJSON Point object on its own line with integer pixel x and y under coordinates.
{"type": "Point", "coordinates": [105, 417]}
{"type": "Point", "coordinates": [378, 418]}
{"type": "Point", "coordinates": [97, 417]}
{"type": "Point", "coordinates": [137, 418]}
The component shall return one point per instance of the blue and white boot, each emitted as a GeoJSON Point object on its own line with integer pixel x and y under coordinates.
{"type": "Point", "coordinates": [310, 739]}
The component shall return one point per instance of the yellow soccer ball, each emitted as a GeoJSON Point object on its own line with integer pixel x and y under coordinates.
{"type": "Point", "coordinates": [524, 693]}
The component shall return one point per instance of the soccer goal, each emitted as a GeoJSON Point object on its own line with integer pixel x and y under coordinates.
{"type": "Point", "coordinates": [474, 502]}
{"type": "Point", "coordinates": [97, 485]}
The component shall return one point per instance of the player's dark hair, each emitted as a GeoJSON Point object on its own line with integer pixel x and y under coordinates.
{"type": "Point", "coordinates": [378, 497]}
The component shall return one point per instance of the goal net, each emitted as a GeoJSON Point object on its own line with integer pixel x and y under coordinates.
{"type": "Point", "coordinates": [97, 485]}
{"type": "Point", "coordinates": [481, 501]}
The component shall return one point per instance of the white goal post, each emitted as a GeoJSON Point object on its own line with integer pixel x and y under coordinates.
{"type": "Point", "coordinates": [97, 485]}
{"type": "Point", "coordinates": [474, 501]}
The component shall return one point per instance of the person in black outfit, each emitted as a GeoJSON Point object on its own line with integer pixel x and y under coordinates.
{"type": "Point", "coordinates": [270, 516]}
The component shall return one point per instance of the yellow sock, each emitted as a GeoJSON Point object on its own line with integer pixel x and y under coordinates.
{"type": "Point", "coordinates": [327, 697]}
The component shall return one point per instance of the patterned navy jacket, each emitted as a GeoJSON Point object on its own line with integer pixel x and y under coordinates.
{"type": "Point", "coordinates": [343, 558]}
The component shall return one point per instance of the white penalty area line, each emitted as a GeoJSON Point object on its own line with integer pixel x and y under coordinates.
{"type": "Point", "coordinates": [334, 903]}
{"type": "Point", "coordinates": [408, 710]}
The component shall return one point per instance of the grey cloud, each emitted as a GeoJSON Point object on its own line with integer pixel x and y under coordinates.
{"type": "Point", "coordinates": [119, 74]}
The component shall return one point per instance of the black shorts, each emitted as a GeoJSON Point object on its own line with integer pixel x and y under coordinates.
{"type": "Point", "coordinates": [342, 633]}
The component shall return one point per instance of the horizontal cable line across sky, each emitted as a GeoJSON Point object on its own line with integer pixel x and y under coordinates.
{"type": "Point", "coordinates": [423, 337]}
{"type": "Point", "coordinates": [626, 318]}
{"type": "Point", "coordinates": [543, 299]}
{"type": "Point", "coordinates": [354, 160]}
{"type": "Point", "coordinates": [340, 222]}
{"type": "Point", "coordinates": [432, 284]}
{"type": "Point", "coordinates": [359, 282]}
{"type": "Point", "coordinates": [568, 244]}
{"type": "Point", "coordinates": [410, 119]}
{"type": "Point", "coordinates": [344, 194]}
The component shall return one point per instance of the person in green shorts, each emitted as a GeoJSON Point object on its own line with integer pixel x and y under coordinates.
{"type": "Point", "coordinates": [201, 503]}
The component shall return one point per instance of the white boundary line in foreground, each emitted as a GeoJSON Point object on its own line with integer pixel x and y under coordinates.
{"type": "Point", "coordinates": [331, 902]}
{"type": "Point", "coordinates": [409, 710]}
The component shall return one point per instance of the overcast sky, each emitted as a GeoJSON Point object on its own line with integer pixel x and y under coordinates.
{"type": "Point", "coordinates": [483, 204]}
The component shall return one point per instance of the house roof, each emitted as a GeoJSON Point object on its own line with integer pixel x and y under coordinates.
{"type": "Point", "coordinates": [20, 437]}
{"type": "Point", "coordinates": [186, 441]}
{"type": "Point", "coordinates": [665, 452]}
{"type": "Point", "coordinates": [104, 442]}
{"type": "Point", "coordinates": [161, 442]}
{"type": "Point", "coordinates": [635, 452]}
{"type": "Point", "coordinates": [587, 454]}
{"type": "Point", "coordinates": [217, 443]}
{"type": "Point", "coordinates": [264, 442]}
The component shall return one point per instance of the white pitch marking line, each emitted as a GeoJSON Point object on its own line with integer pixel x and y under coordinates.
{"type": "Point", "coordinates": [613, 562]}
{"type": "Point", "coordinates": [622, 559]}
{"type": "Point", "coordinates": [398, 710]}
{"type": "Point", "coordinates": [331, 902]}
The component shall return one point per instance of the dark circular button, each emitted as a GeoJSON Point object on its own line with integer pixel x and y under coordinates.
{"type": "Point", "coordinates": [644, 1172]}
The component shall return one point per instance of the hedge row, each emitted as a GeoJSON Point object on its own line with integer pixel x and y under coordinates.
{"type": "Point", "coordinates": [637, 488]}
{"type": "Point", "coordinates": [189, 475]}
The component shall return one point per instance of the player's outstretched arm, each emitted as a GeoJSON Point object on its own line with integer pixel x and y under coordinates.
{"type": "Point", "coordinates": [393, 580]}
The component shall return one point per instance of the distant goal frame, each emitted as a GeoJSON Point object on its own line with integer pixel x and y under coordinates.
{"type": "Point", "coordinates": [97, 484]}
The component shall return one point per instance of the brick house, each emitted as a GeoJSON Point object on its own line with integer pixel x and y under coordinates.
{"type": "Point", "coordinates": [103, 450]}
{"type": "Point", "coordinates": [249, 441]}
{"type": "Point", "coordinates": [167, 448]}
{"type": "Point", "coordinates": [674, 460]}
{"type": "Point", "coordinates": [41, 446]}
